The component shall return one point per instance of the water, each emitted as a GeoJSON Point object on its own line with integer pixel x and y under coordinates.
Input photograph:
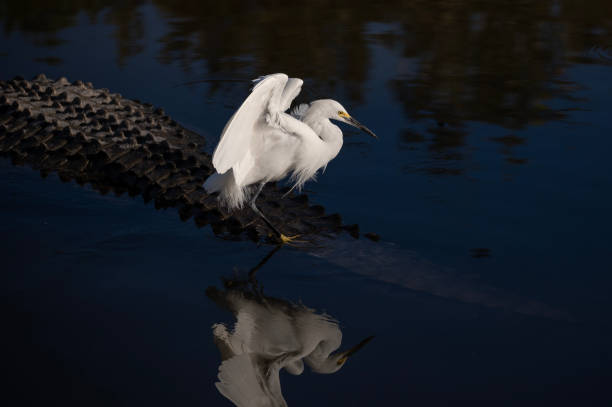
{"type": "Point", "coordinates": [490, 188]}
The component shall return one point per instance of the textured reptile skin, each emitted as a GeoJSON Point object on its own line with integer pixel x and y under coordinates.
{"type": "Point", "coordinates": [93, 136]}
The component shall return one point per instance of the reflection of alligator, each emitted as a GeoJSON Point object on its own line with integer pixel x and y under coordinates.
{"type": "Point", "coordinates": [101, 138]}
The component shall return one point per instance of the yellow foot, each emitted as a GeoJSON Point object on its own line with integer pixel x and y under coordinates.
{"type": "Point", "coordinates": [288, 239]}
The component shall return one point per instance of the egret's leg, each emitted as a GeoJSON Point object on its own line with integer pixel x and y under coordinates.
{"type": "Point", "coordinates": [252, 277]}
{"type": "Point", "coordinates": [259, 213]}
{"type": "Point", "coordinates": [282, 238]}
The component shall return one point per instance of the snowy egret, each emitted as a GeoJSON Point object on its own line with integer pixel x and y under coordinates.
{"type": "Point", "coordinates": [271, 334]}
{"type": "Point", "coordinates": [262, 143]}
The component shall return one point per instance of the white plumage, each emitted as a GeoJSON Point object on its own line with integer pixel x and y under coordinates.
{"type": "Point", "coordinates": [270, 335]}
{"type": "Point", "coordinates": [262, 143]}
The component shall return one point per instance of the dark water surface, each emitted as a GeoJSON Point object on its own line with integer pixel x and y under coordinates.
{"type": "Point", "coordinates": [490, 187]}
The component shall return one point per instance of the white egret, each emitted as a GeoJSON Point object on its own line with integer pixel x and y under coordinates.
{"type": "Point", "coordinates": [271, 334]}
{"type": "Point", "coordinates": [261, 143]}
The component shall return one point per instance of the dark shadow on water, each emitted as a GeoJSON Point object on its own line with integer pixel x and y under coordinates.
{"type": "Point", "coordinates": [53, 61]}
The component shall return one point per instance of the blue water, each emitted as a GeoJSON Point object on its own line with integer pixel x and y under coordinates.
{"type": "Point", "coordinates": [490, 284]}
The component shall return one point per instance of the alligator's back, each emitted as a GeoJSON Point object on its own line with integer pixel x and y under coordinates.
{"type": "Point", "coordinates": [97, 137]}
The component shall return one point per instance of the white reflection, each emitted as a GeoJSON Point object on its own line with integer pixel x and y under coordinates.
{"type": "Point", "coordinates": [269, 335]}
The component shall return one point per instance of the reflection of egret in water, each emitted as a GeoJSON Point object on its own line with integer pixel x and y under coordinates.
{"type": "Point", "coordinates": [271, 334]}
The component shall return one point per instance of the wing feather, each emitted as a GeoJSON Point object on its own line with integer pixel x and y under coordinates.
{"type": "Point", "coordinates": [292, 89]}
{"type": "Point", "coordinates": [300, 111]}
{"type": "Point", "coordinates": [271, 94]}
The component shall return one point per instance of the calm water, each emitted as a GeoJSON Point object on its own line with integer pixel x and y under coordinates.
{"type": "Point", "coordinates": [490, 187]}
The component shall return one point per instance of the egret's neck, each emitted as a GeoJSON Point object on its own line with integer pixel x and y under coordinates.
{"type": "Point", "coordinates": [328, 132]}
{"type": "Point", "coordinates": [329, 365]}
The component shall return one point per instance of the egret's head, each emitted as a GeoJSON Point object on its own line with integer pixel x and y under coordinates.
{"type": "Point", "coordinates": [336, 361]}
{"type": "Point", "coordinates": [338, 112]}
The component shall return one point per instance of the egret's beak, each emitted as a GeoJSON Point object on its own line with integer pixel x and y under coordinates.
{"type": "Point", "coordinates": [355, 348]}
{"type": "Point", "coordinates": [353, 122]}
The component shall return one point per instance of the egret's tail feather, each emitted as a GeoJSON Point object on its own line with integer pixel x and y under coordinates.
{"type": "Point", "coordinates": [231, 195]}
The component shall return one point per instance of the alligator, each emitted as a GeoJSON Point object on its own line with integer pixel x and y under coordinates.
{"type": "Point", "coordinates": [96, 137]}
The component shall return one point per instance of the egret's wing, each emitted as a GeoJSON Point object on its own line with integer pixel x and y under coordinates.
{"type": "Point", "coordinates": [290, 92]}
{"type": "Point", "coordinates": [300, 111]}
{"type": "Point", "coordinates": [270, 95]}
{"type": "Point", "coordinates": [243, 381]}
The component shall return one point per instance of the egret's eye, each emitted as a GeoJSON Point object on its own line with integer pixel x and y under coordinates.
{"type": "Point", "coordinates": [343, 114]}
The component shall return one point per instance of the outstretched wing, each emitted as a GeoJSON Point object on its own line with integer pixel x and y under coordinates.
{"type": "Point", "coordinates": [292, 89]}
{"type": "Point", "coordinates": [271, 94]}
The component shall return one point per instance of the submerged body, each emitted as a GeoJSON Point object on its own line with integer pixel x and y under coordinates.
{"type": "Point", "coordinates": [262, 143]}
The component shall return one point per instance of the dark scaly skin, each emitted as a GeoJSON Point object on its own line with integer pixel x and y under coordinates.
{"type": "Point", "coordinates": [97, 137]}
